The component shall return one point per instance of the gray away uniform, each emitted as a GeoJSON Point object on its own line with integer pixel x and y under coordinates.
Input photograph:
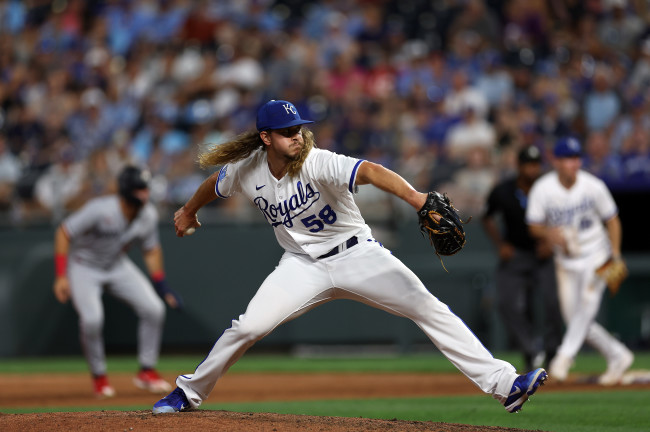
{"type": "Point", "coordinates": [99, 237]}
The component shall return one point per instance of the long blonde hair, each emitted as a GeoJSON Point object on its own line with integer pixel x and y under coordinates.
{"type": "Point", "coordinates": [244, 144]}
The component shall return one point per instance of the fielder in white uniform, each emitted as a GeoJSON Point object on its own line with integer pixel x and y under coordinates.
{"type": "Point", "coordinates": [306, 195]}
{"type": "Point", "coordinates": [90, 259]}
{"type": "Point", "coordinates": [575, 212]}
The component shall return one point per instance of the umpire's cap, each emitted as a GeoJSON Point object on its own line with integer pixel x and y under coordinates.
{"type": "Point", "coordinates": [567, 147]}
{"type": "Point", "coordinates": [530, 154]}
{"type": "Point", "coordinates": [133, 178]}
{"type": "Point", "coordinates": [278, 114]}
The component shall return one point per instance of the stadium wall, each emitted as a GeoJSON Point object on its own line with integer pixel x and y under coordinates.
{"type": "Point", "coordinates": [218, 270]}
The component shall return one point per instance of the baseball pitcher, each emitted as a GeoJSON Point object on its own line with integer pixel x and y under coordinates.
{"type": "Point", "coordinates": [307, 196]}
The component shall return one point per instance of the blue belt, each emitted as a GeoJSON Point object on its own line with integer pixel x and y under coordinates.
{"type": "Point", "coordinates": [348, 244]}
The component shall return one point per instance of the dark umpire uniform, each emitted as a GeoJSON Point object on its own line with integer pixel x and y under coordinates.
{"type": "Point", "coordinates": [525, 272]}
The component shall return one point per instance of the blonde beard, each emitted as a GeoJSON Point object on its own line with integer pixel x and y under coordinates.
{"type": "Point", "coordinates": [308, 143]}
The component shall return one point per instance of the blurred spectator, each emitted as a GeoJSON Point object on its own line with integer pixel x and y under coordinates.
{"type": "Point", "coordinates": [585, 41]}
{"type": "Point", "coordinates": [183, 180]}
{"type": "Point", "coordinates": [620, 27]}
{"type": "Point", "coordinates": [243, 69]}
{"type": "Point", "coordinates": [59, 189]}
{"type": "Point", "coordinates": [473, 131]}
{"type": "Point", "coordinates": [471, 184]}
{"type": "Point", "coordinates": [98, 177]}
{"type": "Point", "coordinates": [553, 120]}
{"type": "Point", "coordinates": [636, 117]}
{"type": "Point", "coordinates": [159, 140]}
{"type": "Point", "coordinates": [477, 21]}
{"type": "Point", "coordinates": [506, 127]}
{"type": "Point", "coordinates": [599, 160]}
{"type": "Point", "coordinates": [168, 17]}
{"type": "Point", "coordinates": [495, 82]}
{"type": "Point", "coordinates": [200, 24]}
{"type": "Point", "coordinates": [529, 129]}
{"type": "Point", "coordinates": [640, 73]}
{"type": "Point", "coordinates": [13, 14]}
{"type": "Point", "coordinates": [121, 109]}
{"type": "Point", "coordinates": [415, 162]}
{"type": "Point", "coordinates": [90, 127]}
{"type": "Point", "coordinates": [118, 153]}
{"type": "Point", "coordinates": [635, 158]}
{"type": "Point", "coordinates": [463, 95]}
{"type": "Point", "coordinates": [336, 39]}
{"type": "Point", "coordinates": [182, 176]}
{"type": "Point", "coordinates": [527, 29]}
{"type": "Point", "coordinates": [432, 121]}
{"type": "Point", "coordinates": [344, 76]}
{"type": "Point", "coordinates": [602, 104]}
{"type": "Point", "coordinates": [10, 169]}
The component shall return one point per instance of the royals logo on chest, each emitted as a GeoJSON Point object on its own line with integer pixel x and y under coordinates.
{"type": "Point", "coordinates": [283, 212]}
{"type": "Point", "coordinates": [566, 214]}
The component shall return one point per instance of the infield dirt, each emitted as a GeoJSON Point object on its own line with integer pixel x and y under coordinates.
{"type": "Point", "coordinates": [58, 391]}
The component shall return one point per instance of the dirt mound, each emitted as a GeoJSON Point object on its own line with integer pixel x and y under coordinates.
{"type": "Point", "coordinates": [218, 421]}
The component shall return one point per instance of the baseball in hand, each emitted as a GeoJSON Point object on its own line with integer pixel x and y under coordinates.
{"type": "Point", "coordinates": [189, 231]}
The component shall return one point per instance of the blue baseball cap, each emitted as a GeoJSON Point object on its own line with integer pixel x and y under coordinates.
{"type": "Point", "coordinates": [278, 114]}
{"type": "Point", "coordinates": [567, 147]}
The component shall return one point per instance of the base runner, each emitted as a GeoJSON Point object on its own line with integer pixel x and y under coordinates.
{"type": "Point", "coordinates": [90, 259]}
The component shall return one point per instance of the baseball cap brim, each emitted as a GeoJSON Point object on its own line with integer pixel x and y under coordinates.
{"type": "Point", "coordinates": [291, 123]}
{"type": "Point", "coordinates": [567, 147]}
{"type": "Point", "coordinates": [566, 154]}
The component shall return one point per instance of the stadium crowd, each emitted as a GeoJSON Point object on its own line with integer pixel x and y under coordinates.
{"type": "Point", "coordinates": [444, 92]}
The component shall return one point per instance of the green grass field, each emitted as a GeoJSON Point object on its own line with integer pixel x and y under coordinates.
{"type": "Point", "coordinates": [618, 409]}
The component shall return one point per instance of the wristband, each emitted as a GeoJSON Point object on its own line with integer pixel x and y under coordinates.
{"type": "Point", "coordinates": [161, 287]}
{"type": "Point", "coordinates": [60, 264]}
{"type": "Point", "coordinates": [158, 276]}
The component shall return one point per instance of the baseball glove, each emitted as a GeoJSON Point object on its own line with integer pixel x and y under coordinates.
{"type": "Point", "coordinates": [447, 235]}
{"type": "Point", "coordinates": [613, 272]}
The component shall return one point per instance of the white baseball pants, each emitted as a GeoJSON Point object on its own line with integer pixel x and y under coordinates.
{"type": "Point", "coordinates": [367, 273]}
{"type": "Point", "coordinates": [126, 282]}
{"type": "Point", "coordinates": [580, 293]}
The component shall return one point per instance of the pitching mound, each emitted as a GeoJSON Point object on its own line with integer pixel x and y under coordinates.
{"type": "Point", "coordinates": [219, 421]}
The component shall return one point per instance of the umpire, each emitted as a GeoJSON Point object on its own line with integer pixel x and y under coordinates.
{"type": "Point", "coordinates": [525, 272]}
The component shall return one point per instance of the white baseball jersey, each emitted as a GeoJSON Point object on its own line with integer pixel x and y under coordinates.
{"type": "Point", "coordinates": [99, 233]}
{"type": "Point", "coordinates": [312, 212]}
{"type": "Point", "coordinates": [580, 211]}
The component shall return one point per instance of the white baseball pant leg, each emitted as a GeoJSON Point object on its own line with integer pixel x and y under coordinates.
{"type": "Point", "coordinates": [580, 294]}
{"type": "Point", "coordinates": [129, 284]}
{"type": "Point", "coordinates": [367, 273]}
{"type": "Point", "coordinates": [86, 287]}
{"type": "Point", "coordinates": [126, 282]}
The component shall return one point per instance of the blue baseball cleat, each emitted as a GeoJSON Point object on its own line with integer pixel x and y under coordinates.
{"type": "Point", "coordinates": [524, 387]}
{"type": "Point", "coordinates": [175, 401]}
